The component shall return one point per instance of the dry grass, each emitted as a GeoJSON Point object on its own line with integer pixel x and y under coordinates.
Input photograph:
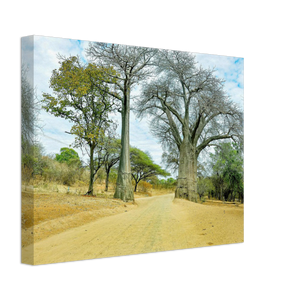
{"type": "Point", "coordinates": [220, 203]}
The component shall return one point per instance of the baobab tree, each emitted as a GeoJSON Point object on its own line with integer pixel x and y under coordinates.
{"type": "Point", "coordinates": [132, 65]}
{"type": "Point", "coordinates": [190, 109]}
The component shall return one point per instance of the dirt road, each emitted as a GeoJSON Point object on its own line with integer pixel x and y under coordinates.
{"type": "Point", "coordinates": [157, 224]}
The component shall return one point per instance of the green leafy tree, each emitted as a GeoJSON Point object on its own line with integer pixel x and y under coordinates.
{"type": "Point", "coordinates": [69, 156]}
{"type": "Point", "coordinates": [227, 164]}
{"type": "Point", "coordinates": [171, 182]}
{"type": "Point", "coordinates": [143, 167]}
{"type": "Point", "coordinates": [81, 95]}
{"type": "Point", "coordinates": [204, 185]}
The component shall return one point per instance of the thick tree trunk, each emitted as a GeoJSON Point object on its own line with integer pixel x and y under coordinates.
{"type": "Point", "coordinates": [135, 186]}
{"type": "Point", "coordinates": [187, 172]}
{"type": "Point", "coordinates": [124, 190]}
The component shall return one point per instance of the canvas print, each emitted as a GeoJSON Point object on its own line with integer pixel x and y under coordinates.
{"type": "Point", "coordinates": [128, 150]}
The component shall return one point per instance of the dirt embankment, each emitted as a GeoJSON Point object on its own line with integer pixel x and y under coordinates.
{"type": "Point", "coordinates": [45, 215]}
{"type": "Point", "coordinates": [157, 223]}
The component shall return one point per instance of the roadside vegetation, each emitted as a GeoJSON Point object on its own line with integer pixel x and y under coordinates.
{"type": "Point", "coordinates": [65, 170]}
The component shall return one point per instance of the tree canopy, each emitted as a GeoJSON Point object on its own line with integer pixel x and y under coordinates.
{"type": "Point", "coordinates": [77, 97]}
{"type": "Point", "coordinates": [68, 155]}
{"type": "Point", "coordinates": [228, 172]}
{"type": "Point", "coordinates": [81, 95]}
{"type": "Point", "coordinates": [190, 111]}
{"type": "Point", "coordinates": [143, 167]}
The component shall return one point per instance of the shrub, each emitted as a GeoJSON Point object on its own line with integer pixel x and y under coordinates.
{"type": "Point", "coordinates": [26, 174]}
{"type": "Point", "coordinates": [63, 173]}
{"type": "Point", "coordinates": [144, 186]}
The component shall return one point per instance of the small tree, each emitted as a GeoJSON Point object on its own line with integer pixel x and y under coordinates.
{"type": "Point", "coordinates": [143, 167]}
{"type": "Point", "coordinates": [69, 156]}
{"type": "Point", "coordinates": [109, 152]}
{"type": "Point", "coordinates": [29, 124]}
{"type": "Point", "coordinates": [227, 164]}
{"type": "Point", "coordinates": [81, 95]}
{"type": "Point", "coordinates": [171, 183]}
{"type": "Point", "coordinates": [204, 185]}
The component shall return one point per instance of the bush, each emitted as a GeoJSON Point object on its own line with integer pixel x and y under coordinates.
{"type": "Point", "coordinates": [144, 186]}
{"type": "Point", "coordinates": [160, 184]}
{"type": "Point", "coordinates": [63, 173]}
{"type": "Point", "coordinates": [26, 174]}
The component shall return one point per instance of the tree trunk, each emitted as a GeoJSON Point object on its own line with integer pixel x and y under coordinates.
{"type": "Point", "coordinates": [92, 175]}
{"type": "Point", "coordinates": [221, 193]}
{"type": "Point", "coordinates": [107, 179]}
{"type": "Point", "coordinates": [135, 186]}
{"type": "Point", "coordinates": [124, 190]}
{"type": "Point", "coordinates": [187, 172]}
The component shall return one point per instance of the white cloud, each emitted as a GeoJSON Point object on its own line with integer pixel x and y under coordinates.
{"type": "Point", "coordinates": [229, 68]}
{"type": "Point", "coordinates": [46, 50]}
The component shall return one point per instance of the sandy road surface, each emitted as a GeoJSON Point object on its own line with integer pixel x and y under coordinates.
{"type": "Point", "coordinates": [158, 224]}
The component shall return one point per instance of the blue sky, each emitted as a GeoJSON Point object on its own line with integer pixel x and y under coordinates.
{"type": "Point", "coordinates": [54, 137]}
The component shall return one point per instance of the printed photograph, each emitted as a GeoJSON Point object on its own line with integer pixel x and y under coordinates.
{"type": "Point", "coordinates": [128, 150]}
